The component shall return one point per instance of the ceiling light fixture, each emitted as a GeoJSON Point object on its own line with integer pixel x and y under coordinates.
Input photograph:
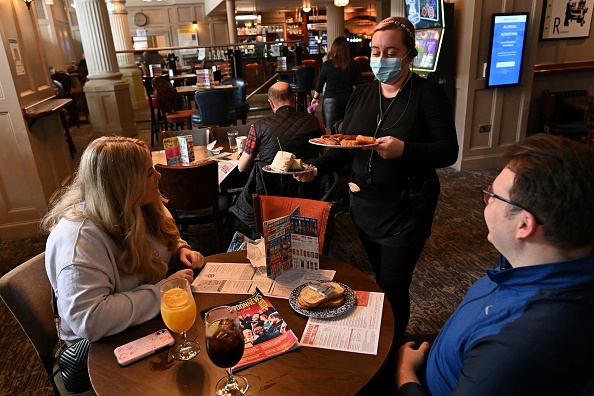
{"type": "Point", "coordinates": [306, 8]}
{"type": "Point", "coordinates": [341, 3]}
{"type": "Point", "coordinates": [194, 25]}
{"type": "Point", "coordinates": [28, 2]}
{"type": "Point", "coordinates": [49, 2]}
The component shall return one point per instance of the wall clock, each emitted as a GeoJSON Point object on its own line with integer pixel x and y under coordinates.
{"type": "Point", "coordinates": [139, 19]}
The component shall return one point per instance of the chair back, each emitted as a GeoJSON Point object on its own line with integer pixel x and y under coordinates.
{"type": "Point", "coordinates": [213, 105]}
{"type": "Point", "coordinates": [267, 207]}
{"type": "Point", "coordinates": [190, 187]}
{"type": "Point", "coordinates": [26, 291]}
{"type": "Point", "coordinates": [63, 79]}
{"type": "Point", "coordinates": [362, 63]}
{"type": "Point", "coordinates": [166, 95]}
{"type": "Point", "coordinates": [238, 95]}
{"type": "Point", "coordinates": [556, 114]}
{"type": "Point", "coordinates": [312, 63]}
{"type": "Point", "coordinates": [220, 133]}
{"type": "Point", "coordinates": [304, 78]}
{"type": "Point", "coordinates": [58, 89]}
{"type": "Point", "coordinates": [200, 137]}
{"type": "Point", "coordinates": [255, 75]}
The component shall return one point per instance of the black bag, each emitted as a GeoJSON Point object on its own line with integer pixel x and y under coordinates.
{"type": "Point", "coordinates": [73, 361]}
{"type": "Point", "coordinates": [73, 364]}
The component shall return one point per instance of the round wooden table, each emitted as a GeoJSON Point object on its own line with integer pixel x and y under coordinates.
{"type": "Point", "coordinates": [303, 371]}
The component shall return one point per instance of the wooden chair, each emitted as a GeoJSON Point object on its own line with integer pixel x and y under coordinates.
{"type": "Point", "coordinates": [267, 207]}
{"type": "Point", "coordinates": [194, 199]}
{"type": "Point", "coordinates": [157, 119]}
{"type": "Point", "coordinates": [561, 120]}
{"type": "Point", "coordinates": [255, 75]}
{"type": "Point", "coordinates": [26, 291]}
{"type": "Point", "coordinates": [200, 137]}
{"type": "Point", "coordinates": [168, 102]}
{"type": "Point", "coordinates": [313, 63]}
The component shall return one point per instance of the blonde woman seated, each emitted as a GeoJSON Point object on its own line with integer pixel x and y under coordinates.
{"type": "Point", "coordinates": [111, 241]}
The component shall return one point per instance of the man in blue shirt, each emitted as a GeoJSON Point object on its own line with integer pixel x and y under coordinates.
{"type": "Point", "coordinates": [527, 327]}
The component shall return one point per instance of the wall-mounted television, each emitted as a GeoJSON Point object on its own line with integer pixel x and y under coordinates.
{"type": "Point", "coordinates": [506, 49]}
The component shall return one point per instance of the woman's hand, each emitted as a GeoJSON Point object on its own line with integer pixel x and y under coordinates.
{"type": "Point", "coordinates": [388, 147]}
{"type": "Point", "coordinates": [185, 273]}
{"type": "Point", "coordinates": [307, 176]}
{"type": "Point", "coordinates": [191, 258]}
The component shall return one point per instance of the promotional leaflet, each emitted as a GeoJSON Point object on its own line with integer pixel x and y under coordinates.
{"type": "Point", "coordinates": [291, 242]}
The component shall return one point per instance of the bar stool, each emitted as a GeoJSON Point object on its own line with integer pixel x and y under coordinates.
{"type": "Point", "coordinates": [167, 99]}
{"type": "Point", "coordinates": [303, 85]}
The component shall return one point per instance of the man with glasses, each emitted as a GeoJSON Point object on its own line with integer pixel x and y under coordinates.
{"type": "Point", "coordinates": [527, 327]}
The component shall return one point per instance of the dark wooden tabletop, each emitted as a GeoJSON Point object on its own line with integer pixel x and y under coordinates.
{"type": "Point", "coordinates": [303, 371]}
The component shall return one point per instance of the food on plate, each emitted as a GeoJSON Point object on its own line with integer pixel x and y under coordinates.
{"type": "Point", "coordinates": [344, 140]}
{"type": "Point", "coordinates": [349, 143]}
{"type": "Point", "coordinates": [365, 139]}
{"type": "Point", "coordinates": [297, 165]}
{"type": "Point", "coordinates": [282, 161]}
{"type": "Point", "coordinates": [315, 295]}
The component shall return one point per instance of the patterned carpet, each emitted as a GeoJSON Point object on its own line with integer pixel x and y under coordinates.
{"type": "Point", "coordinates": [455, 256]}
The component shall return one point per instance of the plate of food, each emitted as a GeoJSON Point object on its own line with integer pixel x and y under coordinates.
{"type": "Point", "coordinates": [341, 141]}
{"type": "Point", "coordinates": [305, 168]}
{"type": "Point", "coordinates": [285, 163]}
{"type": "Point", "coordinates": [322, 299]}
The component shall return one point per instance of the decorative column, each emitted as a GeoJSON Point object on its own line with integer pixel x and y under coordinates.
{"type": "Point", "coordinates": [231, 23]}
{"type": "Point", "coordinates": [397, 9]}
{"type": "Point", "coordinates": [120, 29]}
{"type": "Point", "coordinates": [335, 21]}
{"type": "Point", "coordinates": [108, 95]}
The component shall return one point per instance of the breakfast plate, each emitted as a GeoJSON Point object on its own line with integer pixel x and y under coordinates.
{"type": "Point", "coordinates": [306, 168]}
{"type": "Point", "coordinates": [327, 312]}
{"type": "Point", "coordinates": [321, 142]}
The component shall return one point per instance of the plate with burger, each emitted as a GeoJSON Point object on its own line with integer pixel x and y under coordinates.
{"type": "Point", "coordinates": [322, 299]}
{"type": "Point", "coordinates": [344, 141]}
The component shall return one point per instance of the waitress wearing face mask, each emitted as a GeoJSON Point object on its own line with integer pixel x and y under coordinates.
{"type": "Point", "coordinates": [398, 187]}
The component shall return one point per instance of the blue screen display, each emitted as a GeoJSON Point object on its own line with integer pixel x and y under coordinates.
{"type": "Point", "coordinates": [507, 49]}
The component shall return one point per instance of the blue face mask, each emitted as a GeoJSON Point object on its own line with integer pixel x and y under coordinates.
{"type": "Point", "coordinates": [386, 70]}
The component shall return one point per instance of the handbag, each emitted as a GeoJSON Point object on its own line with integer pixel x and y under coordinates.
{"type": "Point", "coordinates": [73, 360]}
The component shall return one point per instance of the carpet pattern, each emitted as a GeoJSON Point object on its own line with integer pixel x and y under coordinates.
{"type": "Point", "coordinates": [455, 256]}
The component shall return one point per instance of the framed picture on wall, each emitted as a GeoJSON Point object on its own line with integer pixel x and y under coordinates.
{"type": "Point", "coordinates": [564, 19]}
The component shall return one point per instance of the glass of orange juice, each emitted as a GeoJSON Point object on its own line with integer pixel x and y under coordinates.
{"type": "Point", "coordinates": [178, 311]}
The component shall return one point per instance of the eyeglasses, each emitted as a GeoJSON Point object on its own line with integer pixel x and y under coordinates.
{"type": "Point", "coordinates": [488, 193]}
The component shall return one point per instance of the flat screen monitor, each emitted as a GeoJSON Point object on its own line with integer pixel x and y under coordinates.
{"type": "Point", "coordinates": [428, 46]}
{"type": "Point", "coordinates": [506, 50]}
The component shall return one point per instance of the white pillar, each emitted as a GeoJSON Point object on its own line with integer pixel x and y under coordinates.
{"type": "Point", "coordinates": [397, 8]}
{"type": "Point", "coordinates": [335, 23]}
{"type": "Point", "coordinates": [108, 95]}
{"type": "Point", "coordinates": [230, 4]}
{"type": "Point", "coordinates": [120, 29]}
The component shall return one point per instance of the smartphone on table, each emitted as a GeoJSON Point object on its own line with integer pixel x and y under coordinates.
{"type": "Point", "coordinates": [143, 347]}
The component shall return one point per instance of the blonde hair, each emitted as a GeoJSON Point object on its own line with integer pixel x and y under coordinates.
{"type": "Point", "coordinates": [107, 189]}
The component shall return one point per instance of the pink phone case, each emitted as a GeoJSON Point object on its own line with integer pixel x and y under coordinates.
{"type": "Point", "coordinates": [143, 347]}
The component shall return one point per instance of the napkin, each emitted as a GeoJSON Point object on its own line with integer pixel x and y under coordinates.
{"type": "Point", "coordinates": [211, 145]}
{"type": "Point", "coordinates": [256, 253]}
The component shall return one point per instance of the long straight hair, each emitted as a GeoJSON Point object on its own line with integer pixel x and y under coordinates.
{"type": "Point", "coordinates": [340, 53]}
{"type": "Point", "coordinates": [107, 189]}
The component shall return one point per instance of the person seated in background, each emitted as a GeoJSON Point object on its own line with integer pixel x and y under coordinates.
{"type": "Point", "coordinates": [291, 131]}
{"type": "Point", "coordinates": [154, 58]}
{"type": "Point", "coordinates": [286, 129]}
{"type": "Point", "coordinates": [527, 327]}
{"type": "Point", "coordinates": [111, 240]}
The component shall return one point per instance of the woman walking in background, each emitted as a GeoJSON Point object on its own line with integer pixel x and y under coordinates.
{"type": "Point", "coordinates": [340, 75]}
